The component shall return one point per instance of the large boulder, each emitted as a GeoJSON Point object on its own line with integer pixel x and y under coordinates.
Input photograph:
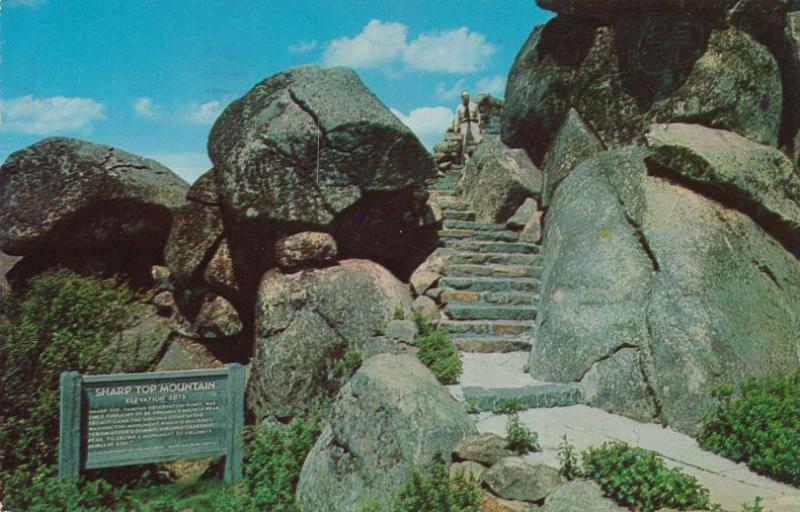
{"type": "Point", "coordinates": [761, 179]}
{"type": "Point", "coordinates": [69, 196]}
{"type": "Point", "coordinates": [306, 321]}
{"type": "Point", "coordinates": [652, 293]}
{"type": "Point", "coordinates": [609, 9]}
{"type": "Point", "coordinates": [574, 143]}
{"type": "Point", "coordinates": [583, 495]}
{"type": "Point", "coordinates": [622, 75]}
{"type": "Point", "coordinates": [497, 180]}
{"type": "Point", "coordinates": [515, 478]}
{"type": "Point", "coordinates": [391, 417]}
{"type": "Point", "coordinates": [312, 149]}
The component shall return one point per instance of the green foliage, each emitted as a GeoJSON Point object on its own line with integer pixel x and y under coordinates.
{"type": "Point", "coordinates": [437, 352]}
{"type": "Point", "coordinates": [568, 457]}
{"type": "Point", "coordinates": [638, 478]}
{"type": "Point", "coordinates": [399, 312]}
{"type": "Point", "coordinates": [519, 438]}
{"type": "Point", "coordinates": [472, 407]}
{"type": "Point", "coordinates": [274, 456]}
{"type": "Point", "coordinates": [755, 507]}
{"type": "Point", "coordinates": [62, 322]}
{"type": "Point", "coordinates": [42, 491]}
{"type": "Point", "coordinates": [757, 424]}
{"type": "Point", "coordinates": [437, 492]}
{"type": "Point", "coordinates": [507, 406]}
{"type": "Point", "coordinates": [344, 368]}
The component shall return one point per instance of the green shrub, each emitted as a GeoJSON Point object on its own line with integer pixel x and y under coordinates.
{"type": "Point", "coordinates": [437, 352]}
{"type": "Point", "coordinates": [638, 478]}
{"type": "Point", "coordinates": [568, 458]}
{"type": "Point", "coordinates": [437, 492]}
{"type": "Point", "coordinates": [757, 424]}
{"type": "Point", "coordinates": [507, 406]}
{"type": "Point", "coordinates": [344, 368]}
{"type": "Point", "coordinates": [519, 438]}
{"type": "Point", "coordinates": [274, 456]}
{"type": "Point", "coordinates": [42, 491]}
{"type": "Point", "coordinates": [61, 322]}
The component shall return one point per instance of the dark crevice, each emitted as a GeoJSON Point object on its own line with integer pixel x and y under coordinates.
{"type": "Point", "coordinates": [768, 272]}
{"type": "Point", "coordinates": [128, 166]}
{"type": "Point", "coordinates": [772, 224]}
{"type": "Point", "coordinates": [600, 359]}
{"type": "Point", "coordinates": [639, 234]}
{"type": "Point", "coordinates": [649, 384]}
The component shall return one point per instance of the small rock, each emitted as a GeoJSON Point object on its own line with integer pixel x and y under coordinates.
{"type": "Point", "coordinates": [186, 354]}
{"type": "Point", "coordinates": [435, 294]}
{"type": "Point", "coordinates": [523, 215]}
{"type": "Point", "coordinates": [164, 302]}
{"type": "Point", "coordinates": [160, 274]}
{"type": "Point", "coordinates": [471, 472]}
{"type": "Point", "coordinates": [485, 448]}
{"type": "Point", "coordinates": [219, 274]}
{"type": "Point", "coordinates": [403, 330]}
{"type": "Point", "coordinates": [583, 495]}
{"type": "Point", "coordinates": [305, 249]}
{"type": "Point", "coordinates": [515, 478]}
{"type": "Point", "coordinates": [427, 307]}
{"type": "Point", "coordinates": [217, 319]}
{"type": "Point", "coordinates": [422, 279]}
{"type": "Point", "coordinates": [532, 232]}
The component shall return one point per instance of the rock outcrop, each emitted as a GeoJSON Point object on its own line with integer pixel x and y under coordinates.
{"type": "Point", "coordinates": [497, 180]}
{"type": "Point", "coordinates": [305, 322]}
{"type": "Point", "coordinates": [391, 417]}
{"type": "Point", "coordinates": [622, 74]}
{"type": "Point", "coordinates": [311, 148]}
{"type": "Point", "coordinates": [653, 293]}
{"type": "Point", "coordinates": [65, 199]}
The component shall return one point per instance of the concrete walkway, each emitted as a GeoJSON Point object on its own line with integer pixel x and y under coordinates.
{"type": "Point", "coordinates": [730, 484]}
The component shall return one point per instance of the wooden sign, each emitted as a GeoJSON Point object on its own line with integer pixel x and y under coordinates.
{"type": "Point", "coordinates": [139, 418]}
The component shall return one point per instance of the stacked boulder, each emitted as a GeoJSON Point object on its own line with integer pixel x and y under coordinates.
{"type": "Point", "coordinates": [670, 249]}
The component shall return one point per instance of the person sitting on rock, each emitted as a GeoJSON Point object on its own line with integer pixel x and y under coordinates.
{"type": "Point", "coordinates": [467, 123]}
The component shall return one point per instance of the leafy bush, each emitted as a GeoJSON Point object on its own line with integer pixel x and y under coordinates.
{"type": "Point", "coordinates": [757, 424]}
{"type": "Point", "coordinates": [638, 478]}
{"type": "Point", "coordinates": [437, 352]}
{"type": "Point", "coordinates": [519, 438]}
{"type": "Point", "coordinates": [507, 406]}
{"type": "Point", "coordinates": [62, 322]}
{"type": "Point", "coordinates": [42, 491]}
{"type": "Point", "coordinates": [437, 492]}
{"type": "Point", "coordinates": [568, 458]}
{"type": "Point", "coordinates": [274, 456]}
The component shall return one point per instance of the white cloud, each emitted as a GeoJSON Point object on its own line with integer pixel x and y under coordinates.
{"type": "Point", "coordinates": [303, 47]}
{"type": "Point", "coordinates": [145, 107]}
{"type": "Point", "coordinates": [24, 3]}
{"type": "Point", "coordinates": [452, 51]}
{"type": "Point", "coordinates": [444, 93]}
{"type": "Point", "coordinates": [205, 113]}
{"type": "Point", "coordinates": [427, 123]}
{"type": "Point", "coordinates": [378, 44]}
{"type": "Point", "coordinates": [494, 85]}
{"type": "Point", "coordinates": [48, 116]}
{"type": "Point", "coordinates": [188, 166]}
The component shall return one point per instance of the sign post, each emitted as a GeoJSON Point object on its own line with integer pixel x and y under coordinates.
{"type": "Point", "coordinates": [138, 418]}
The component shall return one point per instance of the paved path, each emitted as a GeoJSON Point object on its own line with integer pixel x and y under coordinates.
{"type": "Point", "coordinates": [730, 484]}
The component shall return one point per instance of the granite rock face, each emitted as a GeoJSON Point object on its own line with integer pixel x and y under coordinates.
{"type": "Point", "coordinates": [515, 478]}
{"type": "Point", "coordinates": [583, 495]}
{"type": "Point", "coordinates": [392, 416]}
{"type": "Point", "coordinates": [305, 249]}
{"type": "Point", "coordinates": [622, 75]}
{"type": "Point", "coordinates": [305, 322]}
{"type": "Point", "coordinates": [497, 180]}
{"type": "Point", "coordinates": [72, 196]}
{"type": "Point", "coordinates": [653, 293]}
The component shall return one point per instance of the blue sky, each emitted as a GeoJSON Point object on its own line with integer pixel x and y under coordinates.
{"type": "Point", "coordinates": [150, 76]}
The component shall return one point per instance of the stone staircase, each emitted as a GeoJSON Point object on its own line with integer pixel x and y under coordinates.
{"type": "Point", "coordinates": [489, 297]}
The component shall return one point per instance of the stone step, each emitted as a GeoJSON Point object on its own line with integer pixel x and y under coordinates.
{"type": "Point", "coordinates": [489, 270]}
{"type": "Point", "coordinates": [443, 187]}
{"type": "Point", "coordinates": [452, 203]}
{"type": "Point", "coordinates": [489, 312]}
{"type": "Point", "coordinates": [494, 247]}
{"type": "Point", "coordinates": [490, 284]}
{"type": "Point", "coordinates": [496, 298]}
{"type": "Point", "coordinates": [479, 235]}
{"type": "Point", "coordinates": [486, 327]}
{"type": "Point", "coordinates": [497, 258]}
{"type": "Point", "coordinates": [458, 215]}
{"type": "Point", "coordinates": [534, 396]}
{"type": "Point", "coordinates": [475, 226]}
{"type": "Point", "coordinates": [492, 344]}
